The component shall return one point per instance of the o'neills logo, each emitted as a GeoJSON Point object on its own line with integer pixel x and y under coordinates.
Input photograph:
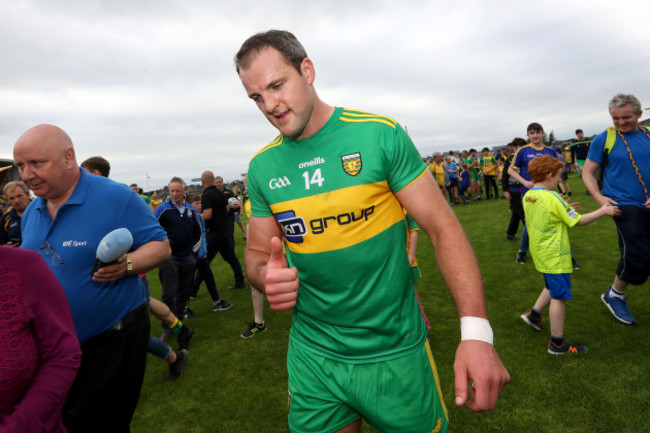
{"type": "Point", "coordinates": [316, 161]}
{"type": "Point", "coordinates": [352, 163]}
{"type": "Point", "coordinates": [531, 200]}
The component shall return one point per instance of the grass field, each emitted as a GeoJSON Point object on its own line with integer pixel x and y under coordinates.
{"type": "Point", "coordinates": [240, 385]}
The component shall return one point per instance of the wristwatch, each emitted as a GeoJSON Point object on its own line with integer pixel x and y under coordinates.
{"type": "Point", "coordinates": [129, 264]}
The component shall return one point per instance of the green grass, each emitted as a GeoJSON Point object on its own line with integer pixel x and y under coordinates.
{"type": "Point", "coordinates": [237, 385]}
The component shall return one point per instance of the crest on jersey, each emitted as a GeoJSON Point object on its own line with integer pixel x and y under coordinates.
{"type": "Point", "coordinates": [352, 163]}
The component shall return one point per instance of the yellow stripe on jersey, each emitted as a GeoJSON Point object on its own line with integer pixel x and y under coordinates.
{"type": "Point", "coordinates": [275, 143]}
{"type": "Point", "coordinates": [353, 116]}
{"type": "Point", "coordinates": [341, 218]}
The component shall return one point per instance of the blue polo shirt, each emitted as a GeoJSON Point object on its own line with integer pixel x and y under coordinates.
{"type": "Point", "coordinates": [96, 207]}
{"type": "Point", "coordinates": [620, 181]}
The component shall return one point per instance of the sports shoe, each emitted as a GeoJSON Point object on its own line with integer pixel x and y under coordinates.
{"type": "Point", "coordinates": [177, 367]}
{"type": "Point", "coordinates": [184, 337]}
{"type": "Point", "coordinates": [521, 258]}
{"type": "Point", "coordinates": [512, 238]}
{"type": "Point", "coordinates": [188, 314]}
{"type": "Point", "coordinates": [253, 330]}
{"type": "Point", "coordinates": [535, 323]}
{"type": "Point", "coordinates": [576, 265]}
{"type": "Point", "coordinates": [221, 306]}
{"type": "Point", "coordinates": [237, 285]}
{"type": "Point", "coordinates": [565, 348]}
{"type": "Point", "coordinates": [618, 307]}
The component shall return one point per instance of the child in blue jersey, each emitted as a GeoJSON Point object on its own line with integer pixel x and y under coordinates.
{"type": "Point", "coordinates": [452, 172]}
{"type": "Point", "coordinates": [464, 184]}
{"type": "Point", "coordinates": [548, 218]}
{"type": "Point", "coordinates": [519, 171]}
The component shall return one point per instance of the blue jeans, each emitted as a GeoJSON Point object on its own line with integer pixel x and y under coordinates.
{"type": "Point", "coordinates": [523, 246]}
{"type": "Point", "coordinates": [155, 346]}
{"type": "Point", "coordinates": [158, 348]}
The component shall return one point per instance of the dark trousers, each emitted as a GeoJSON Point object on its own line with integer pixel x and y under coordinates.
{"type": "Point", "coordinates": [106, 390]}
{"type": "Point", "coordinates": [204, 273]}
{"type": "Point", "coordinates": [176, 278]}
{"type": "Point", "coordinates": [224, 244]}
{"type": "Point", "coordinates": [633, 227]}
{"type": "Point", "coordinates": [490, 185]}
{"type": "Point", "coordinates": [517, 213]}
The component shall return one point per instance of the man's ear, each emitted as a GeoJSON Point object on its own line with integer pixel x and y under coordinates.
{"type": "Point", "coordinates": [307, 70]}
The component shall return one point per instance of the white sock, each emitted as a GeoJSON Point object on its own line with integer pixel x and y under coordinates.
{"type": "Point", "coordinates": [616, 294]}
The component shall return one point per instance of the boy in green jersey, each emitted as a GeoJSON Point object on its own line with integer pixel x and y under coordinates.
{"type": "Point", "coordinates": [548, 218]}
{"type": "Point", "coordinates": [332, 186]}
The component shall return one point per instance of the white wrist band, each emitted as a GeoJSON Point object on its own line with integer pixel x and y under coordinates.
{"type": "Point", "coordinates": [476, 328]}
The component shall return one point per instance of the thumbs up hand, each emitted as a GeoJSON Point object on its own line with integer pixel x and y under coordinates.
{"type": "Point", "coordinates": [281, 282]}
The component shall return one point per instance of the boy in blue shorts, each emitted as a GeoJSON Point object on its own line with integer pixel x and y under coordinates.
{"type": "Point", "coordinates": [548, 218]}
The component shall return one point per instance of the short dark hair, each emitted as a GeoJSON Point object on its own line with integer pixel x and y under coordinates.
{"type": "Point", "coordinates": [578, 131]}
{"type": "Point", "coordinates": [535, 127]}
{"type": "Point", "coordinates": [485, 149]}
{"type": "Point", "coordinates": [97, 163]}
{"type": "Point", "coordinates": [518, 142]}
{"type": "Point", "coordinates": [283, 41]}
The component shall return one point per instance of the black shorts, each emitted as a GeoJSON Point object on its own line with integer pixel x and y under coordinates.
{"type": "Point", "coordinates": [453, 183]}
{"type": "Point", "coordinates": [564, 175]}
{"type": "Point", "coordinates": [633, 227]}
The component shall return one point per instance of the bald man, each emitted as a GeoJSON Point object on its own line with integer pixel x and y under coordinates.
{"type": "Point", "coordinates": [65, 223]}
{"type": "Point", "coordinates": [219, 228]}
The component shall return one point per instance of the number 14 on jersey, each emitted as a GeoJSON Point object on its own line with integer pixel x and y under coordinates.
{"type": "Point", "coordinates": [315, 179]}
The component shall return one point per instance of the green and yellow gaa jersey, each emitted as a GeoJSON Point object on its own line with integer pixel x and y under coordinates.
{"type": "Point", "coordinates": [344, 230]}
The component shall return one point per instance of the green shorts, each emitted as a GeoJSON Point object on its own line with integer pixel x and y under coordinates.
{"type": "Point", "coordinates": [474, 176]}
{"type": "Point", "coordinates": [580, 162]}
{"type": "Point", "coordinates": [401, 394]}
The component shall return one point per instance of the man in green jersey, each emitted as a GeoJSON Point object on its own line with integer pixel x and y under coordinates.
{"type": "Point", "coordinates": [333, 185]}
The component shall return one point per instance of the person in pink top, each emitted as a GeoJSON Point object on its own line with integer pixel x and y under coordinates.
{"type": "Point", "coordinates": [39, 349]}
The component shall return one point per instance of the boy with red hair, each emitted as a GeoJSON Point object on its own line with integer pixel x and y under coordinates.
{"type": "Point", "coordinates": [548, 218]}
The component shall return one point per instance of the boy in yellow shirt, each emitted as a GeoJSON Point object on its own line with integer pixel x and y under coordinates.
{"type": "Point", "coordinates": [548, 218]}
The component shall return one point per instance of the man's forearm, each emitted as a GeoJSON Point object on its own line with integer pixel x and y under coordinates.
{"type": "Point", "coordinates": [149, 255]}
{"type": "Point", "coordinates": [589, 178]}
{"type": "Point", "coordinates": [461, 272]}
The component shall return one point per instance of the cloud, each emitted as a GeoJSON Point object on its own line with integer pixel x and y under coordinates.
{"type": "Point", "coordinates": [151, 86]}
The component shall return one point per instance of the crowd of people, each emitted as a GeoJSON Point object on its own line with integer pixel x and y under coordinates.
{"type": "Point", "coordinates": [85, 345]}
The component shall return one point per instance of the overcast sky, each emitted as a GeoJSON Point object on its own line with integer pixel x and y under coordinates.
{"type": "Point", "coordinates": [150, 85]}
